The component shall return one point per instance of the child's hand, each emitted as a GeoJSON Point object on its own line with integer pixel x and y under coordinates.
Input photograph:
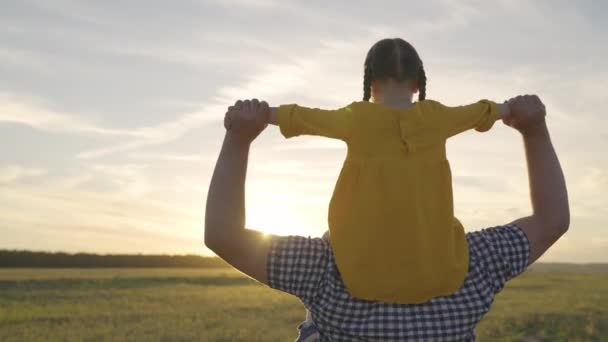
{"type": "Point", "coordinates": [527, 112]}
{"type": "Point", "coordinates": [246, 119]}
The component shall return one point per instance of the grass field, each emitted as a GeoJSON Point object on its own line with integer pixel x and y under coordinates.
{"type": "Point", "coordinates": [222, 305]}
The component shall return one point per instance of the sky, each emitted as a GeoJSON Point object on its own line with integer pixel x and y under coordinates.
{"type": "Point", "coordinates": [111, 112]}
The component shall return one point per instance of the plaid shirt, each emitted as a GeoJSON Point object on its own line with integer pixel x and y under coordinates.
{"type": "Point", "coordinates": [306, 268]}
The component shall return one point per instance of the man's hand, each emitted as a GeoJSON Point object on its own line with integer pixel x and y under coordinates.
{"type": "Point", "coordinates": [527, 114]}
{"type": "Point", "coordinates": [246, 119]}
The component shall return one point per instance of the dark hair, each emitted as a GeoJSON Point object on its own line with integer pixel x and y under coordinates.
{"type": "Point", "coordinates": [393, 58]}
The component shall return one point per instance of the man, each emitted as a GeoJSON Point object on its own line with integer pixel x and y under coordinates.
{"type": "Point", "coordinates": [305, 267]}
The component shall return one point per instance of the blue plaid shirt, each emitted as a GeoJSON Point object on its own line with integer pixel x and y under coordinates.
{"type": "Point", "coordinates": [306, 268]}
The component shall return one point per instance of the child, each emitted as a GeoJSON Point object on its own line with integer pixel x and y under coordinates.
{"type": "Point", "coordinates": [391, 218]}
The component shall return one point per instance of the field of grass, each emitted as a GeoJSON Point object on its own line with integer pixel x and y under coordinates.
{"type": "Point", "coordinates": [221, 305]}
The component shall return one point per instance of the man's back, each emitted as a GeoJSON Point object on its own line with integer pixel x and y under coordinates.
{"type": "Point", "coordinates": [305, 267]}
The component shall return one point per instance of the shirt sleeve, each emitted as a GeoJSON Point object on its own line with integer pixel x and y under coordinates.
{"type": "Point", "coordinates": [296, 265]}
{"type": "Point", "coordinates": [296, 120]}
{"type": "Point", "coordinates": [454, 120]}
{"type": "Point", "coordinates": [503, 254]}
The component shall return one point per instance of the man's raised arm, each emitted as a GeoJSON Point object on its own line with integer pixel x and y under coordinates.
{"type": "Point", "coordinates": [550, 217]}
{"type": "Point", "coordinates": [225, 232]}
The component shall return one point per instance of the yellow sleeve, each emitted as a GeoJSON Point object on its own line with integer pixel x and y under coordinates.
{"type": "Point", "coordinates": [454, 120]}
{"type": "Point", "coordinates": [296, 120]}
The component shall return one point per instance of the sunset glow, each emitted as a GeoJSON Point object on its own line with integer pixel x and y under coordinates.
{"type": "Point", "coordinates": [111, 113]}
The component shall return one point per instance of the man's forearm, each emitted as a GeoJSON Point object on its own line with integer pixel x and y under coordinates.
{"type": "Point", "coordinates": [547, 185]}
{"type": "Point", "coordinates": [225, 212]}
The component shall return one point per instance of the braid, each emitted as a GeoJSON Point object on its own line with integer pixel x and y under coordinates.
{"type": "Point", "coordinates": [421, 83]}
{"type": "Point", "coordinates": [367, 83]}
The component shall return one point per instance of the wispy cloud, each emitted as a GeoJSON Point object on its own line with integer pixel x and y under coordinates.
{"type": "Point", "coordinates": [190, 158]}
{"type": "Point", "coordinates": [101, 215]}
{"type": "Point", "coordinates": [248, 3]}
{"type": "Point", "coordinates": [481, 183]}
{"type": "Point", "coordinates": [309, 144]}
{"type": "Point", "coordinates": [161, 133]}
{"type": "Point", "coordinates": [32, 113]}
{"type": "Point", "coordinates": [23, 59]}
{"type": "Point", "coordinates": [273, 81]}
{"type": "Point", "coordinates": [12, 173]}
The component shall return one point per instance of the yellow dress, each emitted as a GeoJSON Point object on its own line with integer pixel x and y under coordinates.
{"type": "Point", "coordinates": [391, 216]}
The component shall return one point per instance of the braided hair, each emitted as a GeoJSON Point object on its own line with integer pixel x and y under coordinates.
{"type": "Point", "coordinates": [393, 59]}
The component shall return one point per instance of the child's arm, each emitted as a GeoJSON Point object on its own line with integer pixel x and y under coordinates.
{"type": "Point", "coordinates": [504, 110]}
{"type": "Point", "coordinates": [480, 116]}
{"type": "Point", "coordinates": [294, 120]}
{"type": "Point", "coordinates": [273, 118]}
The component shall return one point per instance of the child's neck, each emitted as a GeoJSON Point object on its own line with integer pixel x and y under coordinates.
{"type": "Point", "coordinates": [394, 100]}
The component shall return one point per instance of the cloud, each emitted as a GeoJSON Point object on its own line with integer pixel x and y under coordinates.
{"type": "Point", "coordinates": [26, 112]}
{"type": "Point", "coordinates": [193, 158]}
{"type": "Point", "coordinates": [295, 168]}
{"type": "Point", "coordinates": [273, 81]}
{"type": "Point", "coordinates": [458, 14]}
{"type": "Point", "coordinates": [587, 186]}
{"type": "Point", "coordinates": [316, 144]}
{"type": "Point", "coordinates": [577, 248]}
{"type": "Point", "coordinates": [194, 51]}
{"type": "Point", "coordinates": [161, 133]}
{"type": "Point", "coordinates": [480, 182]}
{"type": "Point", "coordinates": [23, 59]}
{"type": "Point", "coordinates": [72, 182]}
{"type": "Point", "coordinates": [297, 78]}
{"type": "Point", "coordinates": [13, 173]}
{"type": "Point", "coordinates": [248, 3]}
{"type": "Point", "coordinates": [600, 242]}
{"type": "Point", "coordinates": [104, 214]}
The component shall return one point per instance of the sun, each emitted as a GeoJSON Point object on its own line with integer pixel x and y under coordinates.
{"type": "Point", "coordinates": [277, 219]}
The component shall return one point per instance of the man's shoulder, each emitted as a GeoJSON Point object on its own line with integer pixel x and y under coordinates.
{"type": "Point", "coordinates": [296, 264]}
{"type": "Point", "coordinates": [501, 252]}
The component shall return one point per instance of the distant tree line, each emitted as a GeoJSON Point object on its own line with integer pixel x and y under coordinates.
{"type": "Point", "coordinates": [18, 258]}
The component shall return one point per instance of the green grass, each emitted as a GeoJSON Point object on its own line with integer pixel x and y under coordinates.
{"type": "Point", "coordinates": [222, 305]}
